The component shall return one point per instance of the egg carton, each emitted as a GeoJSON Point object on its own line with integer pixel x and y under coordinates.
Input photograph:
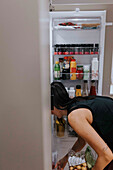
{"type": "Point", "coordinates": [77, 161]}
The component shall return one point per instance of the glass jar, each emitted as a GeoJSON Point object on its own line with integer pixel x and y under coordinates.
{"type": "Point", "coordinates": [59, 49]}
{"type": "Point", "coordinates": [80, 72]}
{"type": "Point", "coordinates": [92, 49]}
{"type": "Point", "coordinates": [87, 49]}
{"type": "Point", "coordinates": [96, 49]}
{"type": "Point", "coordinates": [76, 49]}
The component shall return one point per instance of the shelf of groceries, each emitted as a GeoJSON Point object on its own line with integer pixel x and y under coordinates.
{"type": "Point", "coordinates": [76, 49]}
{"type": "Point", "coordinates": [67, 68]}
{"type": "Point", "coordinates": [76, 26]}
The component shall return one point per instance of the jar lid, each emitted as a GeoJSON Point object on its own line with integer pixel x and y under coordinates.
{"type": "Point", "coordinates": [65, 57]}
{"type": "Point", "coordinates": [73, 59]}
{"type": "Point", "coordinates": [80, 66]}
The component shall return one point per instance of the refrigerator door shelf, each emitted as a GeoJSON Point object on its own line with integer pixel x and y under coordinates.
{"type": "Point", "coordinates": [75, 28]}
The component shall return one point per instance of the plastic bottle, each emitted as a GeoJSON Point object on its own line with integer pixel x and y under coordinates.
{"type": "Point", "coordinates": [85, 88]}
{"type": "Point", "coordinates": [73, 69]}
{"type": "Point", "coordinates": [93, 88]}
{"type": "Point", "coordinates": [71, 92]}
{"type": "Point", "coordinates": [57, 71]}
{"type": "Point", "coordinates": [78, 90]}
{"type": "Point", "coordinates": [95, 69]}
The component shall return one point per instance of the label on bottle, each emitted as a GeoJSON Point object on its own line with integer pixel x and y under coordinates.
{"type": "Point", "coordinates": [56, 74]}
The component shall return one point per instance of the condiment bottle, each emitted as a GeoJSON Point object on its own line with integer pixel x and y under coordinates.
{"type": "Point", "coordinates": [85, 88]}
{"type": "Point", "coordinates": [93, 88]}
{"type": "Point", "coordinates": [73, 69]}
{"type": "Point", "coordinates": [96, 48]}
{"type": "Point", "coordinates": [61, 66]}
{"type": "Point", "coordinates": [57, 71]}
{"type": "Point", "coordinates": [78, 90]}
{"type": "Point", "coordinates": [71, 92]}
{"type": "Point", "coordinates": [60, 127]}
{"type": "Point", "coordinates": [95, 69]}
{"type": "Point", "coordinates": [79, 72]}
{"type": "Point", "coordinates": [66, 69]}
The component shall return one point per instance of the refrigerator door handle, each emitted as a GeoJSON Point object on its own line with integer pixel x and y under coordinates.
{"type": "Point", "coordinates": [108, 23]}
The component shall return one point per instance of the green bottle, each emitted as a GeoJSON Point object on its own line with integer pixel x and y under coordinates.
{"type": "Point", "coordinates": [57, 71]}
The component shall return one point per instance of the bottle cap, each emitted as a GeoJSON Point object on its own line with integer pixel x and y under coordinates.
{"type": "Point", "coordinates": [80, 66]}
{"type": "Point", "coordinates": [57, 62]}
{"type": "Point", "coordinates": [78, 86]}
{"type": "Point", "coordinates": [85, 81]}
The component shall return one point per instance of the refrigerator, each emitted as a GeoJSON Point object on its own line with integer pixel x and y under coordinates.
{"type": "Point", "coordinates": [78, 35]}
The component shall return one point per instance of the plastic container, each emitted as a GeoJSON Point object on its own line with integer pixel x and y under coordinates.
{"type": "Point", "coordinates": [73, 69]}
{"type": "Point", "coordinates": [86, 72]}
{"type": "Point", "coordinates": [94, 69]}
{"type": "Point", "coordinates": [71, 92]}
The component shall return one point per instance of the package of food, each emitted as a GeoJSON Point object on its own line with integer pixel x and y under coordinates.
{"type": "Point", "coordinates": [77, 160]}
{"type": "Point", "coordinates": [83, 160]}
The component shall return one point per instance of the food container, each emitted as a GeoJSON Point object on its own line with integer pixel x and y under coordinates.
{"type": "Point", "coordinates": [77, 161]}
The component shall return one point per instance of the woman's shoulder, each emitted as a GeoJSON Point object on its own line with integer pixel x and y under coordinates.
{"type": "Point", "coordinates": [81, 114]}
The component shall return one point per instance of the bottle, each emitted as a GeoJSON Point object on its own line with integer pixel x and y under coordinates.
{"type": "Point", "coordinates": [95, 69]}
{"type": "Point", "coordinates": [60, 127]}
{"type": "Point", "coordinates": [86, 72]}
{"type": "Point", "coordinates": [96, 48]}
{"type": "Point", "coordinates": [66, 69]}
{"type": "Point", "coordinates": [71, 92]}
{"type": "Point", "coordinates": [61, 66]}
{"type": "Point", "coordinates": [80, 72]}
{"type": "Point", "coordinates": [57, 71]}
{"type": "Point", "coordinates": [93, 88]}
{"type": "Point", "coordinates": [67, 89]}
{"type": "Point", "coordinates": [85, 88]}
{"type": "Point", "coordinates": [78, 90]}
{"type": "Point", "coordinates": [73, 69]}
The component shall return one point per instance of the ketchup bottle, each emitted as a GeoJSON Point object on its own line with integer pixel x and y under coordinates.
{"type": "Point", "coordinates": [93, 88]}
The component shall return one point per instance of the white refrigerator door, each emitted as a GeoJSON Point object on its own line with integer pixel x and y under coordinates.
{"type": "Point", "coordinates": [81, 14]}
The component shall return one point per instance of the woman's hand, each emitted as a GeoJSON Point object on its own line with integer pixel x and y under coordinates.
{"type": "Point", "coordinates": [62, 163]}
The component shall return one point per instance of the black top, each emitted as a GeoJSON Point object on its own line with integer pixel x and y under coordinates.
{"type": "Point", "coordinates": [102, 111]}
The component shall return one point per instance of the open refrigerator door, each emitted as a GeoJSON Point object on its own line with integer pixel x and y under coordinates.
{"type": "Point", "coordinates": [76, 59]}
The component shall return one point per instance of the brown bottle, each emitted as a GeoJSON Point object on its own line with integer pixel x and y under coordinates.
{"type": "Point", "coordinates": [93, 88]}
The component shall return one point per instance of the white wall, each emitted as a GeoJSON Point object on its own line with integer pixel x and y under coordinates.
{"type": "Point", "coordinates": [24, 132]}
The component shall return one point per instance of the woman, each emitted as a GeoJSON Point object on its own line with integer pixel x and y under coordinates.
{"type": "Point", "coordinates": [92, 119]}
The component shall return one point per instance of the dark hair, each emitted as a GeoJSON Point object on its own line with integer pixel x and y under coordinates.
{"type": "Point", "coordinates": [61, 98]}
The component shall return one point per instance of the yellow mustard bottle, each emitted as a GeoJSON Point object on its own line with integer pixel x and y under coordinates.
{"type": "Point", "coordinates": [78, 90]}
{"type": "Point", "coordinates": [73, 69]}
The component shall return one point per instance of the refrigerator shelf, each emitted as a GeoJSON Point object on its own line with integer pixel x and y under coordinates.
{"type": "Point", "coordinates": [75, 28]}
{"type": "Point", "coordinates": [81, 55]}
{"type": "Point", "coordinates": [72, 80]}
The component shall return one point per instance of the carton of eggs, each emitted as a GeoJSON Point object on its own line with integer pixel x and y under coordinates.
{"type": "Point", "coordinates": [77, 161]}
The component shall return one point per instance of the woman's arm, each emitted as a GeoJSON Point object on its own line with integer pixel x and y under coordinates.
{"type": "Point", "coordinates": [80, 121]}
{"type": "Point", "coordinates": [78, 145]}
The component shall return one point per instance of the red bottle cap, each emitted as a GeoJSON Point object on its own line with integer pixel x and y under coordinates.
{"type": "Point", "coordinates": [65, 58]}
